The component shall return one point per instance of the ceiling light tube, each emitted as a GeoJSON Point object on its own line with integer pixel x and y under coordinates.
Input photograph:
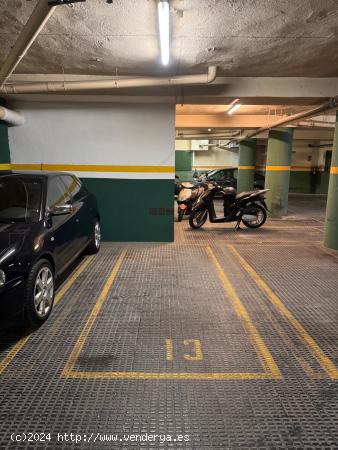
{"type": "Point", "coordinates": [164, 27]}
{"type": "Point", "coordinates": [233, 108]}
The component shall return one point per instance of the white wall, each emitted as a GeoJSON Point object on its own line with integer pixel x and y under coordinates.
{"type": "Point", "coordinates": [214, 158]}
{"type": "Point", "coordinates": [183, 145]}
{"type": "Point", "coordinates": [96, 134]}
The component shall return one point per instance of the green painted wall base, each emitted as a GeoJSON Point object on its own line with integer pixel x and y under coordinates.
{"type": "Point", "coordinates": [309, 183]}
{"type": "Point", "coordinates": [323, 183]}
{"type": "Point", "coordinates": [5, 157]}
{"type": "Point", "coordinates": [134, 210]}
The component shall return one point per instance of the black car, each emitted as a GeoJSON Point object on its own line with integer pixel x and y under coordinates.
{"type": "Point", "coordinates": [46, 221]}
{"type": "Point", "coordinates": [227, 177]}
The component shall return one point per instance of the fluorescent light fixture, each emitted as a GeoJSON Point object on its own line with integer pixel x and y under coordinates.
{"type": "Point", "coordinates": [164, 26]}
{"type": "Point", "coordinates": [234, 107]}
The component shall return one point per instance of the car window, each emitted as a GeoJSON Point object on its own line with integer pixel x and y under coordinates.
{"type": "Point", "coordinates": [210, 173]}
{"type": "Point", "coordinates": [20, 199]}
{"type": "Point", "coordinates": [57, 194]}
{"type": "Point", "coordinates": [217, 175]}
{"type": "Point", "coordinates": [74, 187]}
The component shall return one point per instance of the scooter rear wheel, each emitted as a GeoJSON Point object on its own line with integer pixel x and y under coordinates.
{"type": "Point", "coordinates": [260, 217]}
{"type": "Point", "coordinates": [197, 219]}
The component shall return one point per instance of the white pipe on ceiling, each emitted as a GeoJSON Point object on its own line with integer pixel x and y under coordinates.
{"type": "Point", "coordinates": [34, 25]}
{"type": "Point", "coordinates": [13, 118]}
{"type": "Point", "coordinates": [114, 83]}
{"type": "Point", "coordinates": [332, 103]}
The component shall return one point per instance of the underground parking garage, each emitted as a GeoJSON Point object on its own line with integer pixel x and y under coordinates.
{"type": "Point", "coordinates": [168, 224]}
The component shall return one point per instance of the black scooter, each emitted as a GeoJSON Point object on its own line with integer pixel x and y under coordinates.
{"type": "Point", "coordinates": [247, 207]}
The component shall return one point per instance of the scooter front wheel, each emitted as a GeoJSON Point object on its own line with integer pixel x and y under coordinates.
{"type": "Point", "coordinates": [197, 218]}
{"type": "Point", "coordinates": [180, 214]}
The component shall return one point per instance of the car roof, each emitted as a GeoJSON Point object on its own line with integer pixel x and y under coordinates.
{"type": "Point", "coordinates": [222, 168]}
{"type": "Point", "coordinates": [34, 173]}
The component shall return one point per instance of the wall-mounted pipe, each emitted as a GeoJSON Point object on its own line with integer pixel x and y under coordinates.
{"type": "Point", "coordinates": [330, 104]}
{"type": "Point", "coordinates": [12, 118]}
{"type": "Point", "coordinates": [34, 25]}
{"type": "Point", "coordinates": [57, 86]}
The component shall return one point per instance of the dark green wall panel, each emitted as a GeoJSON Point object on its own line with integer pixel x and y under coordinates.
{"type": "Point", "coordinates": [183, 161]}
{"type": "Point", "coordinates": [323, 184]}
{"type": "Point", "coordinates": [134, 210]}
{"type": "Point", "coordinates": [308, 182]}
{"type": "Point", "coordinates": [4, 145]}
{"type": "Point", "coordinates": [300, 182]}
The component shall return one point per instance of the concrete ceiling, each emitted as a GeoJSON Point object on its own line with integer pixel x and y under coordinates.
{"type": "Point", "coordinates": [275, 38]}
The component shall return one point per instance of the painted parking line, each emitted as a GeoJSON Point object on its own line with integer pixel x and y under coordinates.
{"type": "Point", "coordinates": [317, 352]}
{"type": "Point", "coordinates": [262, 351]}
{"type": "Point", "coordinates": [58, 297]}
{"type": "Point", "coordinates": [271, 370]}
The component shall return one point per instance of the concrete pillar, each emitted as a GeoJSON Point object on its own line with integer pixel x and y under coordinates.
{"type": "Point", "coordinates": [246, 165]}
{"type": "Point", "coordinates": [277, 176]}
{"type": "Point", "coordinates": [331, 220]}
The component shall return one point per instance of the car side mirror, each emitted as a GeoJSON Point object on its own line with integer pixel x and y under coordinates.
{"type": "Point", "coordinates": [61, 210]}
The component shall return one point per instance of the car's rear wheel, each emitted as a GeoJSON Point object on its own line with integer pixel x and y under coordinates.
{"type": "Point", "coordinates": [95, 240]}
{"type": "Point", "coordinates": [39, 295]}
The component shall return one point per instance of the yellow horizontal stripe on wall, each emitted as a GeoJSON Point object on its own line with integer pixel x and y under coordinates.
{"type": "Point", "coordinates": [334, 170]}
{"type": "Point", "coordinates": [298, 168]}
{"type": "Point", "coordinates": [5, 167]}
{"type": "Point", "coordinates": [246, 167]}
{"type": "Point", "coordinates": [278, 167]}
{"type": "Point", "coordinates": [26, 166]}
{"type": "Point", "coordinates": [93, 168]}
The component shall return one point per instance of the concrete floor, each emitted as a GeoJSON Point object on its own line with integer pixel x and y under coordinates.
{"type": "Point", "coordinates": [226, 338]}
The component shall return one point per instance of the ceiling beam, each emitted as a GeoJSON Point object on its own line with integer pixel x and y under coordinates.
{"type": "Point", "coordinates": [224, 121]}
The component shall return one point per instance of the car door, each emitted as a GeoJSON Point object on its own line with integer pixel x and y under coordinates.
{"type": "Point", "coordinates": [229, 178]}
{"type": "Point", "coordinates": [219, 177]}
{"type": "Point", "coordinates": [62, 231]}
{"type": "Point", "coordinates": [82, 210]}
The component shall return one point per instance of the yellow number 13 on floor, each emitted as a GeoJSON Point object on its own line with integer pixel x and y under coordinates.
{"type": "Point", "coordinates": [195, 355]}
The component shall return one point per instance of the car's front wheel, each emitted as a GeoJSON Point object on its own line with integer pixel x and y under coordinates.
{"type": "Point", "coordinates": [95, 239]}
{"type": "Point", "coordinates": [39, 295]}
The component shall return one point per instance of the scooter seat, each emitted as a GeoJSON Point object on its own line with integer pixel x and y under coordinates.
{"type": "Point", "coordinates": [244, 194]}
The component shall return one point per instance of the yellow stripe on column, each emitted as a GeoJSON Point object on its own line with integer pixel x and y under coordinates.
{"type": "Point", "coordinates": [334, 170]}
{"type": "Point", "coordinates": [278, 167]}
{"type": "Point", "coordinates": [246, 167]}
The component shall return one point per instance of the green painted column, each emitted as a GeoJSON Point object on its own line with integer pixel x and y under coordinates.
{"type": "Point", "coordinates": [5, 158]}
{"type": "Point", "coordinates": [277, 175]}
{"type": "Point", "coordinates": [331, 220]}
{"type": "Point", "coordinates": [246, 165]}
